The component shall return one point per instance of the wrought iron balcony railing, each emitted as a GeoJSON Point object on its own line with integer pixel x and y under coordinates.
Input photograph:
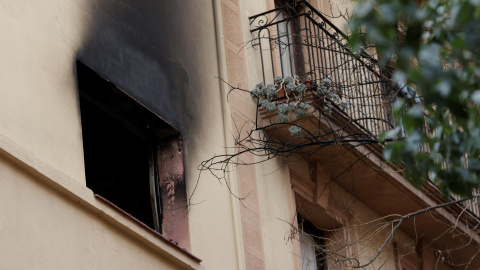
{"type": "Point", "coordinates": [473, 205]}
{"type": "Point", "coordinates": [296, 39]}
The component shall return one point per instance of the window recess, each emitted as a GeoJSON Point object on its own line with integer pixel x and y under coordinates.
{"type": "Point", "coordinates": [312, 246]}
{"type": "Point", "coordinates": [133, 158]}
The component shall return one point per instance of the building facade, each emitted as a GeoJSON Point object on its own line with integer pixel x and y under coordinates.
{"type": "Point", "coordinates": [109, 109]}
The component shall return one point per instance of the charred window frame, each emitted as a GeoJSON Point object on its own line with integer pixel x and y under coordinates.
{"type": "Point", "coordinates": [121, 141]}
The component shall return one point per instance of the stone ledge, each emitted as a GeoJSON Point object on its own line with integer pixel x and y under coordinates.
{"type": "Point", "coordinates": [82, 196]}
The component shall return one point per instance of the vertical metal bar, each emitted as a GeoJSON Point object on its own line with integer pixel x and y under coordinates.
{"type": "Point", "coordinates": [303, 67]}
{"type": "Point", "coordinates": [356, 91]}
{"type": "Point", "coordinates": [477, 205]}
{"type": "Point", "coordinates": [385, 99]}
{"type": "Point", "coordinates": [154, 188]}
{"type": "Point", "coordinates": [353, 85]}
{"type": "Point", "coordinates": [363, 94]}
{"type": "Point", "coordinates": [324, 56]}
{"type": "Point", "coordinates": [280, 50]}
{"type": "Point", "coordinates": [341, 68]}
{"type": "Point", "coordinates": [298, 49]}
{"type": "Point", "coordinates": [376, 110]}
{"type": "Point", "coordinates": [307, 34]}
{"type": "Point", "coordinates": [379, 101]}
{"type": "Point", "coordinates": [261, 54]}
{"type": "Point", "coordinates": [380, 105]}
{"type": "Point", "coordinates": [331, 65]}
{"type": "Point", "coordinates": [319, 36]}
{"type": "Point", "coordinates": [271, 52]}
{"type": "Point", "coordinates": [334, 62]}
{"type": "Point", "coordinates": [391, 98]}
{"type": "Point", "coordinates": [347, 82]}
{"type": "Point", "coordinates": [368, 100]}
{"type": "Point", "coordinates": [313, 46]}
{"type": "Point", "coordinates": [318, 65]}
{"type": "Point", "coordinates": [290, 55]}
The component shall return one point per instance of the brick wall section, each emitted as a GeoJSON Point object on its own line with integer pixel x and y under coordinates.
{"type": "Point", "coordinates": [242, 109]}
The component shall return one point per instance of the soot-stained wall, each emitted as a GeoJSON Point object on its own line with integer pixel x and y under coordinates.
{"type": "Point", "coordinates": [152, 50]}
{"type": "Point", "coordinates": [162, 53]}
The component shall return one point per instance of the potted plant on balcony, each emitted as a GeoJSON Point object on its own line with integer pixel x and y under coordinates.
{"type": "Point", "coordinates": [288, 95]}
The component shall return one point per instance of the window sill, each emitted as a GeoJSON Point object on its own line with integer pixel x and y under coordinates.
{"type": "Point", "coordinates": [75, 191]}
{"type": "Point", "coordinates": [171, 242]}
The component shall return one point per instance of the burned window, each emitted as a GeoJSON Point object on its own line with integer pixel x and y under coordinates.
{"type": "Point", "coordinates": [124, 148]}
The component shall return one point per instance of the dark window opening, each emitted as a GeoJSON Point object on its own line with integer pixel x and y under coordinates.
{"type": "Point", "coordinates": [116, 163]}
{"type": "Point", "coordinates": [120, 140]}
{"type": "Point", "coordinates": [312, 243]}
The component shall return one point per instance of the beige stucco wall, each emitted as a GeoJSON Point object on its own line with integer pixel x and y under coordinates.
{"type": "Point", "coordinates": [41, 228]}
{"type": "Point", "coordinates": [278, 215]}
{"type": "Point", "coordinates": [40, 126]}
{"type": "Point", "coordinates": [373, 235]}
{"type": "Point", "coordinates": [38, 108]}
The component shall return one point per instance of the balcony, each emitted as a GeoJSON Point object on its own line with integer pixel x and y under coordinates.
{"type": "Point", "coordinates": [297, 40]}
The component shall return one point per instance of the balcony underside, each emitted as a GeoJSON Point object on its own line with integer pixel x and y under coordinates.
{"type": "Point", "coordinates": [361, 171]}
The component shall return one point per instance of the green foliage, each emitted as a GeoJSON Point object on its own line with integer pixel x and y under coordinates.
{"type": "Point", "coordinates": [435, 48]}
